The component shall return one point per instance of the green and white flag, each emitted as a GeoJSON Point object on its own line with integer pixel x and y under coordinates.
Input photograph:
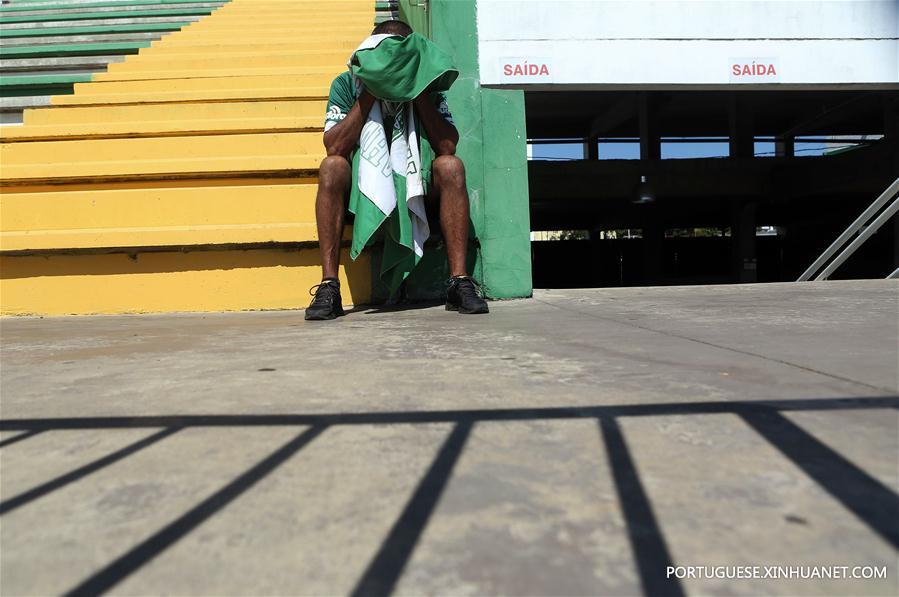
{"type": "Point", "coordinates": [387, 184]}
{"type": "Point", "coordinates": [387, 181]}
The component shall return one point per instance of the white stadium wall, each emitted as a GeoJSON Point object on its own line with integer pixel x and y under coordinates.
{"type": "Point", "coordinates": [669, 43]}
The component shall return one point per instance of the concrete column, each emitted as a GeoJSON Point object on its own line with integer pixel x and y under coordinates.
{"type": "Point", "coordinates": [742, 236]}
{"type": "Point", "coordinates": [785, 147]}
{"type": "Point", "coordinates": [653, 237]}
{"type": "Point", "coordinates": [742, 143]}
{"type": "Point", "coordinates": [891, 135]}
{"type": "Point", "coordinates": [591, 148]}
{"type": "Point", "coordinates": [650, 140]}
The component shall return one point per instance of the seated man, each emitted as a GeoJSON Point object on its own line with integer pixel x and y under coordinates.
{"type": "Point", "coordinates": [344, 120]}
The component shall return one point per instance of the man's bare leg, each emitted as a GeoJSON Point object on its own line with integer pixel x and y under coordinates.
{"type": "Point", "coordinates": [449, 183]}
{"type": "Point", "coordinates": [334, 179]}
{"type": "Point", "coordinates": [463, 294]}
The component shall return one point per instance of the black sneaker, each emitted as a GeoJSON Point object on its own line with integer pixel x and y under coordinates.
{"type": "Point", "coordinates": [464, 295]}
{"type": "Point", "coordinates": [327, 303]}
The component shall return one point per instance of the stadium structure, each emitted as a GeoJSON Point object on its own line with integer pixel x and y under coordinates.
{"type": "Point", "coordinates": [161, 155]}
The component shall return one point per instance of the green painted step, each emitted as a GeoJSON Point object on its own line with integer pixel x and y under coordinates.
{"type": "Point", "coordinates": [94, 49]}
{"type": "Point", "coordinates": [36, 90]}
{"type": "Point", "coordinates": [29, 85]}
{"type": "Point", "coordinates": [49, 31]}
{"type": "Point", "coordinates": [49, 5]}
{"type": "Point", "coordinates": [14, 81]}
{"type": "Point", "coordinates": [120, 14]}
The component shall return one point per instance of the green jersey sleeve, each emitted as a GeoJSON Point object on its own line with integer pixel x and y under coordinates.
{"type": "Point", "coordinates": [340, 99]}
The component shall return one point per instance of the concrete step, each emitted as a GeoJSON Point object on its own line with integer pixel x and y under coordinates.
{"type": "Point", "coordinates": [10, 119]}
{"type": "Point", "coordinates": [16, 6]}
{"type": "Point", "coordinates": [79, 39]}
{"type": "Point", "coordinates": [157, 26]}
{"type": "Point", "coordinates": [37, 65]}
{"type": "Point", "coordinates": [20, 103]}
{"type": "Point", "coordinates": [99, 8]}
{"type": "Point", "coordinates": [44, 28]}
{"type": "Point", "coordinates": [63, 71]}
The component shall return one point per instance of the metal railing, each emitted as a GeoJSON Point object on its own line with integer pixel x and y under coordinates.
{"type": "Point", "coordinates": [861, 229]}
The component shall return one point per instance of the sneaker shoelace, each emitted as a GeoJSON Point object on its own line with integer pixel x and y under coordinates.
{"type": "Point", "coordinates": [467, 288]}
{"type": "Point", "coordinates": [324, 293]}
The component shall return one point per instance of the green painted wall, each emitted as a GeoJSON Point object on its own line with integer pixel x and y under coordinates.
{"type": "Point", "coordinates": [493, 146]}
{"type": "Point", "coordinates": [415, 12]}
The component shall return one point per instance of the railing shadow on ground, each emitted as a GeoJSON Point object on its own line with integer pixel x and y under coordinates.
{"type": "Point", "coordinates": [870, 500]}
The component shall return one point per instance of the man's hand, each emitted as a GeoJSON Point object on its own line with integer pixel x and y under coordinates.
{"type": "Point", "coordinates": [341, 138]}
{"type": "Point", "coordinates": [442, 135]}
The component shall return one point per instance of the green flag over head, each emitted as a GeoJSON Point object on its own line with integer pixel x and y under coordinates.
{"type": "Point", "coordinates": [399, 69]}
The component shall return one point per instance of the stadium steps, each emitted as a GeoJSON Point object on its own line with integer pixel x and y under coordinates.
{"type": "Point", "coordinates": [184, 177]}
{"type": "Point", "coordinates": [47, 47]}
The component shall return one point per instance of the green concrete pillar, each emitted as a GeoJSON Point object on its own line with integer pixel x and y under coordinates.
{"type": "Point", "coordinates": [493, 146]}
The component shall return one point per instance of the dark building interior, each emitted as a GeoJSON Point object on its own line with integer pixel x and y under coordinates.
{"type": "Point", "coordinates": [803, 201]}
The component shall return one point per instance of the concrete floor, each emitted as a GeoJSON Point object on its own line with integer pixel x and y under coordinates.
{"type": "Point", "coordinates": [574, 444]}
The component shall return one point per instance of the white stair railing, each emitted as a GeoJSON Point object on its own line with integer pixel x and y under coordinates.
{"type": "Point", "coordinates": [863, 223]}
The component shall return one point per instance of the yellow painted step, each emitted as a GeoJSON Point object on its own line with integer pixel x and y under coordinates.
{"type": "Point", "coordinates": [298, 20]}
{"type": "Point", "coordinates": [205, 84]}
{"type": "Point", "coordinates": [323, 41]}
{"type": "Point", "coordinates": [320, 34]}
{"type": "Point", "coordinates": [22, 163]}
{"type": "Point", "coordinates": [148, 55]}
{"type": "Point", "coordinates": [170, 112]}
{"type": "Point", "coordinates": [284, 24]}
{"type": "Point", "coordinates": [237, 93]}
{"type": "Point", "coordinates": [327, 73]}
{"type": "Point", "coordinates": [305, 42]}
{"type": "Point", "coordinates": [245, 62]}
{"type": "Point", "coordinates": [161, 128]}
{"type": "Point", "coordinates": [159, 217]}
{"type": "Point", "coordinates": [240, 46]}
{"type": "Point", "coordinates": [238, 29]}
{"type": "Point", "coordinates": [329, 7]}
{"type": "Point", "coordinates": [324, 10]}
{"type": "Point", "coordinates": [171, 281]}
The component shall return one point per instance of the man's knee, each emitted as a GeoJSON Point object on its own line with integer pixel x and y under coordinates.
{"type": "Point", "coordinates": [334, 173]}
{"type": "Point", "coordinates": [449, 170]}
